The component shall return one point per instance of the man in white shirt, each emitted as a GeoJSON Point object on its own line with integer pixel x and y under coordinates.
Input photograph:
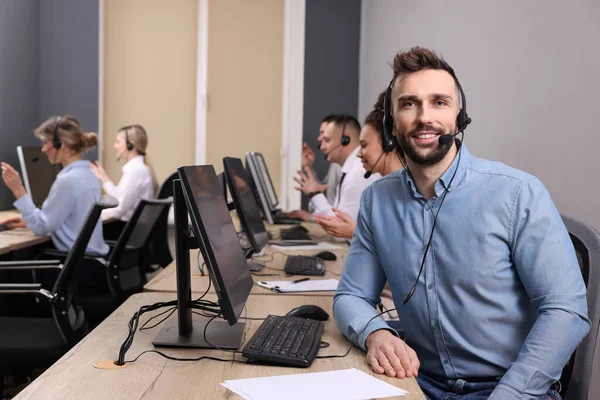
{"type": "Point", "coordinates": [341, 145]}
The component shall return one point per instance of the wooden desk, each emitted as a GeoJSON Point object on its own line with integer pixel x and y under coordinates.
{"type": "Point", "coordinates": [166, 280]}
{"type": "Point", "coordinates": [18, 239]}
{"type": "Point", "coordinates": [153, 377]}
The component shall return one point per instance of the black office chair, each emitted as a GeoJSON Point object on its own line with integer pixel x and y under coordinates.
{"type": "Point", "coordinates": [30, 343]}
{"type": "Point", "coordinates": [159, 244]}
{"type": "Point", "coordinates": [579, 380]}
{"type": "Point", "coordinates": [127, 262]}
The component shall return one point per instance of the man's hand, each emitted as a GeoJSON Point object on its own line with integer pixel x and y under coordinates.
{"type": "Point", "coordinates": [301, 214]}
{"type": "Point", "coordinates": [307, 183]}
{"type": "Point", "coordinates": [14, 222]}
{"type": "Point", "coordinates": [12, 180]}
{"type": "Point", "coordinates": [391, 356]}
{"type": "Point", "coordinates": [308, 156]}
{"type": "Point", "coordinates": [341, 225]}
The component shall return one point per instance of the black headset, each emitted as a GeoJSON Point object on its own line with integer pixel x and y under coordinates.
{"type": "Point", "coordinates": [127, 142]}
{"type": "Point", "coordinates": [345, 138]}
{"type": "Point", "coordinates": [56, 142]}
{"type": "Point", "coordinates": [462, 119]}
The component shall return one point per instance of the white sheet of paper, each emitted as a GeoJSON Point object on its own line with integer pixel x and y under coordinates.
{"type": "Point", "coordinates": [319, 246]}
{"type": "Point", "coordinates": [311, 285]}
{"type": "Point", "coordinates": [348, 384]}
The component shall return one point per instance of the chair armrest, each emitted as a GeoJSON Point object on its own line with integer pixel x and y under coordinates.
{"type": "Point", "coordinates": [30, 264]}
{"type": "Point", "coordinates": [20, 288]}
{"type": "Point", "coordinates": [55, 253]}
{"type": "Point", "coordinates": [111, 243]}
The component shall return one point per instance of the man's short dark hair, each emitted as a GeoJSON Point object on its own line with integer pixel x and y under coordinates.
{"type": "Point", "coordinates": [329, 118]}
{"type": "Point", "coordinates": [351, 123]}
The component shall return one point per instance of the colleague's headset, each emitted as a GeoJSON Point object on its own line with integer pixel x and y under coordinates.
{"type": "Point", "coordinates": [130, 146]}
{"type": "Point", "coordinates": [462, 121]}
{"type": "Point", "coordinates": [56, 142]}
{"type": "Point", "coordinates": [345, 141]}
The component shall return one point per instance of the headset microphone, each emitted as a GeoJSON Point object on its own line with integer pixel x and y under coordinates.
{"type": "Point", "coordinates": [330, 151]}
{"type": "Point", "coordinates": [447, 138]}
{"type": "Point", "coordinates": [368, 174]}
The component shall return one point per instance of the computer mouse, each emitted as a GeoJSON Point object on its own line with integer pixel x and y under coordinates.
{"type": "Point", "coordinates": [309, 311]}
{"type": "Point", "coordinates": [326, 255]}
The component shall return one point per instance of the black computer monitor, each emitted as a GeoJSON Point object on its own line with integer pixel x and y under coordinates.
{"type": "Point", "coordinates": [257, 189]}
{"type": "Point", "coordinates": [198, 193]}
{"type": "Point", "coordinates": [265, 180]}
{"type": "Point", "coordinates": [38, 174]}
{"type": "Point", "coordinates": [244, 202]}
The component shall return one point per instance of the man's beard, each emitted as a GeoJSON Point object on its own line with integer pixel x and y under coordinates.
{"type": "Point", "coordinates": [410, 150]}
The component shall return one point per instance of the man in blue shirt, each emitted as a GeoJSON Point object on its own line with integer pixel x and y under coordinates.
{"type": "Point", "coordinates": [500, 303]}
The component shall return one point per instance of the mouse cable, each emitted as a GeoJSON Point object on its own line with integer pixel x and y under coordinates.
{"type": "Point", "coordinates": [272, 256]}
{"type": "Point", "coordinates": [361, 331]}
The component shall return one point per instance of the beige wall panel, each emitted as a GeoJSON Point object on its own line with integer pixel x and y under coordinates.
{"type": "Point", "coordinates": [150, 78]}
{"type": "Point", "coordinates": [245, 73]}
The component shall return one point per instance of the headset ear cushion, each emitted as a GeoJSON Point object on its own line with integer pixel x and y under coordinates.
{"type": "Point", "coordinates": [345, 140]}
{"type": "Point", "coordinates": [387, 144]}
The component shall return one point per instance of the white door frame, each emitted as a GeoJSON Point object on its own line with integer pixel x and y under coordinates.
{"type": "Point", "coordinates": [292, 110]}
{"type": "Point", "coordinates": [201, 82]}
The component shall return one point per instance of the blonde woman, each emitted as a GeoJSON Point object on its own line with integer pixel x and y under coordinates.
{"type": "Point", "coordinates": [138, 180]}
{"type": "Point", "coordinates": [72, 194]}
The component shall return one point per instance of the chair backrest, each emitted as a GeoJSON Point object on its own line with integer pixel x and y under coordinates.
{"type": "Point", "coordinates": [166, 188]}
{"type": "Point", "coordinates": [577, 378]}
{"type": "Point", "coordinates": [135, 237]}
{"type": "Point", "coordinates": [65, 289]}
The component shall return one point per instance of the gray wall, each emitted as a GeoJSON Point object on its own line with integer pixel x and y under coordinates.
{"type": "Point", "coordinates": [69, 32]}
{"type": "Point", "coordinates": [332, 35]}
{"type": "Point", "coordinates": [48, 66]}
{"type": "Point", "coordinates": [530, 70]}
{"type": "Point", "coordinates": [19, 81]}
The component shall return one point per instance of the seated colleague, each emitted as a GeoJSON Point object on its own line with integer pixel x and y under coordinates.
{"type": "Point", "coordinates": [501, 303]}
{"type": "Point", "coordinates": [375, 158]}
{"type": "Point", "coordinates": [137, 182]}
{"type": "Point", "coordinates": [72, 194]}
{"type": "Point", "coordinates": [332, 179]}
{"type": "Point", "coordinates": [340, 144]}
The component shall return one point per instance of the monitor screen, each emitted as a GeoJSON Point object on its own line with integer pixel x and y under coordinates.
{"type": "Point", "coordinates": [265, 180]}
{"type": "Point", "coordinates": [259, 192]}
{"type": "Point", "coordinates": [245, 203]}
{"type": "Point", "coordinates": [38, 174]}
{"type": "Point", "coordinates": [217, 238]}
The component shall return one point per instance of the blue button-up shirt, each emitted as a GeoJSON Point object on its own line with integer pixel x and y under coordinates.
{"type": "Point", "coordinates": [501, 292]}
{"type": "Point", "coordinates": [63, 213]}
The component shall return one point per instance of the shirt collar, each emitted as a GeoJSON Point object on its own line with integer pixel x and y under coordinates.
{"type": "Point", "coordinates": [135, 161]}
{"type": "Point", "coordinates": [459, 164]}
{"type": "Point", "coordinates": [350, 160]}
{"type": "Point", "coordinates": [74, 165]}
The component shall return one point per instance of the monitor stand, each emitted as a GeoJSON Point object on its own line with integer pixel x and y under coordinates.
{"type": "Point", "coordinates": [219, 334]}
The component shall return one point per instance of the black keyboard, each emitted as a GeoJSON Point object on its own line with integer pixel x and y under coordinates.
{"type": "Point", "coordinates": [294, 234]}
{"type": "Point", "coordinates": [287, 341]}
{"type": "Point", "coordinates": [285, 221]}
{"type": "Point", "coordinates": [304, 265]}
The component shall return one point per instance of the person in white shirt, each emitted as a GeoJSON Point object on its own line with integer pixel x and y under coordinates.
{"type": "Point", "coordinates": [138, 180]}
{"type": "Point", "coordinates": [341, 145]}
{"type": "Point", "coordinates": [379, 153]}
